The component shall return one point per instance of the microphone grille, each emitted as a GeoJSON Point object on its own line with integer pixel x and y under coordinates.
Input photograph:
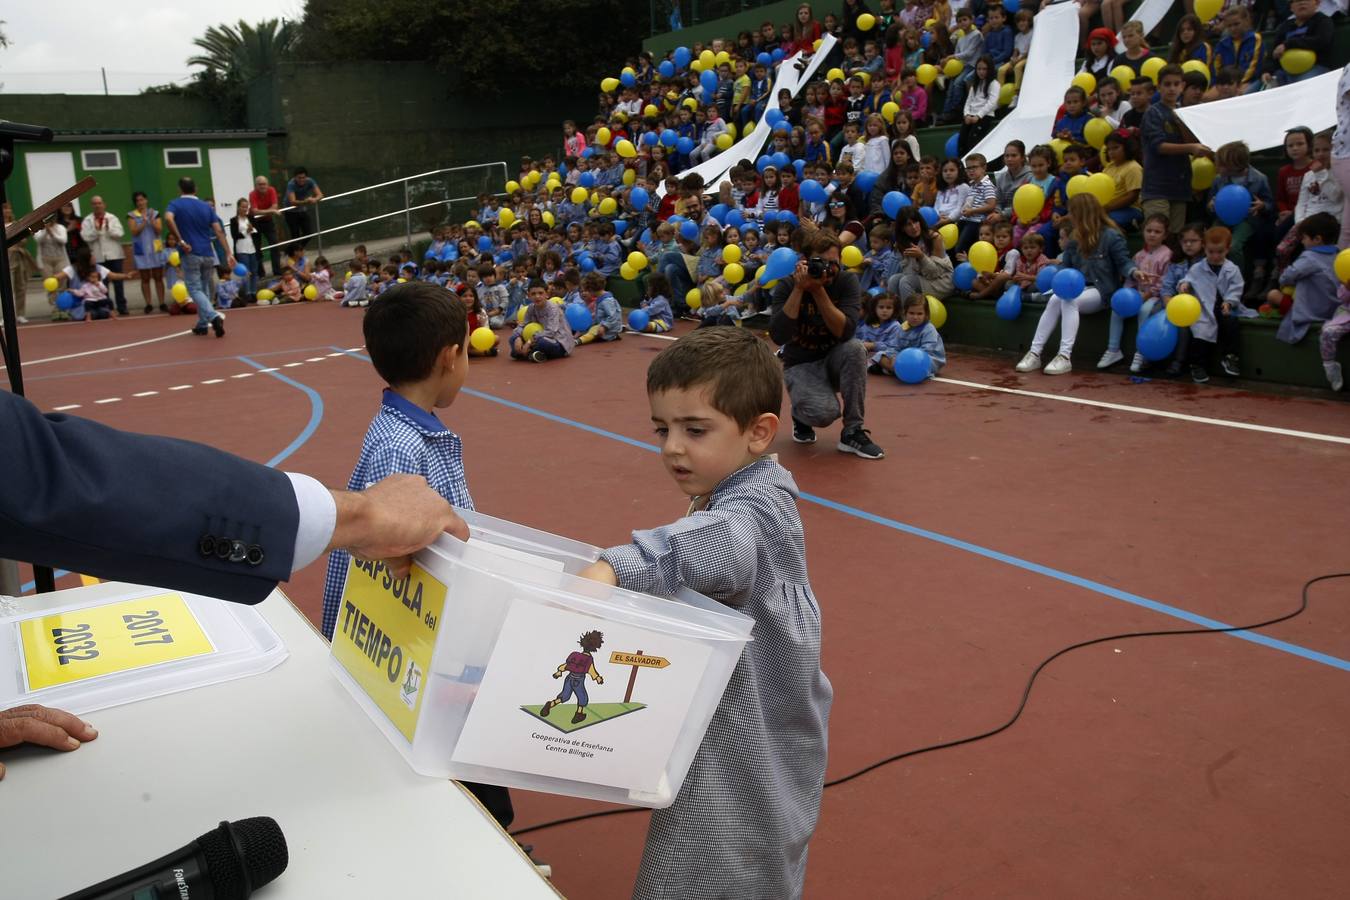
{"type": "Point", "coordinates": [243, 856]}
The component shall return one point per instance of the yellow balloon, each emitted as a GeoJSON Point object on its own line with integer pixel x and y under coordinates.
{"type": "Point", "coordinates": [1095, 131]}
{"type": "Point", "coordinates": [731, 254]}
{"type": "Point", "coordinates": [835, 74]}
{"type": "Point", "coordinates": [690, 104]}
{"type": "Point", "coordinates": [472, 223]}
{"type": "Point", "coordinates": [722, 57]}
{"type": "Point", "coordinates": [1207, 9]}
{"type": "Point", "coordinates": [929, 23]}
{"type": "Point", "coordinates": [731, 130]}
{"type": "Point", "coordinates": [609, 85]}
{"type": "Point", "coordinates": [1085, 80]}
{"type": "Point", "coordinates": [628, 272]}
{"type": "Point", "coordinates": [548, 218]}
{"type": "Point", "coordinates": [608, 206]}
{"type": "Point", "coordinates": [1101, 186]}
{"type": "Point", "coordinates": [695, 66]}
{"type": "Point", "coordinates": [742, 289]}
{"type": "Point", "coordinates": [650, 111]}
{"type": "Point", "coordinates": [579, 195]}
{"type": "Point", "coordinates": [1028, 201]}
{"type": "Point", "coordinates": [312, 293]}
{"type": "Point", "coordinates": [482, 339]}
{"type": "Point", "coordinates": [505, 218]}
{"type": "Point", "coordinates": [1077, 184]}
{"type": "Point", "coordinates": [708, 59]}
{"type": "Point", "coordinates": [1183, 310]}
{"type": "Point", "coordinates": [1006, 94]}
{"type": "Point", "coordinates": [1151, 67]}
{"type": "Point", "coordinates": [400, 281]}
{"type": "Point", "coordinates": [866, 77]}
{"type": "Point", "coordinates": [926, 74]}
{"type": "Point", "coordinates": [693, 299]}
{"type": "Point", "coordinates": [520, 313]}
{"type": "Point", "coordinates": [888, 111]}
{"type": "Point", "coordinates": [949, 233]}
{"type": "Point", "coordinates": [530, 330]}
{"type": "Point", "coordinates": [1123, 76]}
{"type": "Point", "coordinates": [851, 256]}
{"type": "Point", "coordinates": [1195, 65]}
{"type": "Point", "coordinates": [629, 176]}
{"type": "Point", "coordinates": [50, 285]}
{"type": "Point", "coordinates": [866, 21]}
{"type": "Point", "coordinates": [734, 273]}
{"type": "Point", "coordinates": [512, 187]}
{"type": "Point", "coordinates": [347, 277]}
{"type": "Point", "coordinates": [1058, 145]}
{"type": "Point", "coordinates": [180, 293]}
{"type": "Point", "coordinates": [628, 70]}
{"type": "Point", "coordinates": [983, 256]}
{"type": "Point", "coordinates": [1342, 266]}
{"type": "Point", "coordinates": [264, 294]}
{"type": "Point", "coordinates": [625, 148]}
{"type": "Point", "coordinates": [159, 245]}
{"type": "Point", "coordinates": [557, 301]}
{"type": "Point", "coordinates": [637, 260]}
{"type": "Point", "coordinates": [953, 67]}
{"type": "Point", "coordinates": [1296, 62]}
{"type": "Point", "coordinates": [816, 45]}
{"type": "Point", "coordinates": [174, 258]}
{"type": "Point", "coordinates": [602, 136]}
{"type": "Point", "coordinates": [937, 311]}
{"type": "Point", "coordinates": [723, 142]}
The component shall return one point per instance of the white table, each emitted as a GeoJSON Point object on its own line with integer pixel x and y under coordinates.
{"type": "Point", "coordinates": [290, 744]}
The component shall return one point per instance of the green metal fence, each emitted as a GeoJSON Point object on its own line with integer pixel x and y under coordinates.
{"type": "Point", "coordinates": [673, 15]}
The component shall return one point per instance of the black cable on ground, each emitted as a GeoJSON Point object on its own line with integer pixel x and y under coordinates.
{"type": "Point", "coordinates": [1026, 695]}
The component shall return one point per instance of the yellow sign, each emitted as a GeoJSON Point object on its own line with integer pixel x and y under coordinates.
{"type": "Point", "coordinates": [116, 637]}
{"type": "Point", "coordinates": [385, 636]}
{"type": "Point", "coordinates": [633, 659]}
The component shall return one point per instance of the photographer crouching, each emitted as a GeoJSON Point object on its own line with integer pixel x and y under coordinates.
{"type": "Point", "coordinates": [813, 317]}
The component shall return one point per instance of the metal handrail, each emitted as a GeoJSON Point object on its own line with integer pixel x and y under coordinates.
{"type": "Point", "coordinates": [397, 212]}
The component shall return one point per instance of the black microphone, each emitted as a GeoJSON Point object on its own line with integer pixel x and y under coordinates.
{"type": "Point", "coordinates": [227, 863]}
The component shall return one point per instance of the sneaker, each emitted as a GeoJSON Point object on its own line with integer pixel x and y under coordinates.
{"type": "Point", "coordinates": [148, 310]}
{"type": "Point", "coordinates": [538, 356]}
{"type": "Point", "coordinates": [1334, 376]}
{"type": "Point", "coordinates": [22, 320]}
{"type": "Point", "coordinates": [1109, 359]}
{"type": "Point", "coordinates": [1030, 362]}
{"type": "Point", "coordinates": [859, 442]}
{"type": "Point", "coordinates": [1199, 375]}
{"type": "Point", "coordinates": [803, 433]}
{"type": "Point", "coordinates": [1230, 365]}
{"type": "Point", "coordinates": [218, 325]}
{"type": "Point", "coordinates": [264, 302]}
{"type": "Point", "coordinates": [200, 329]}
{"type": "Point", "coordinates": [873, 369]}
{"type": "Point", "coordinates": [1138, 364]}
{"type": "Point", "coordinates": [1174, 368]}
{"type": "Point", "coordinates": [1060, 365]}
{"type": "Point", "coordinates": [364, 303]}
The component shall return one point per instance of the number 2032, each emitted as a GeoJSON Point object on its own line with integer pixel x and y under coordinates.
{"type": "Point", "coordinates": [77, 644]}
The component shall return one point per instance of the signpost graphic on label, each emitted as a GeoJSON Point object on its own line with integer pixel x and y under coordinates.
{"type": "Point", "coordinates": [637, 661]}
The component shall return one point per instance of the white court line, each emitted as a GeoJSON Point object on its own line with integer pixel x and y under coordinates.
{"type": "Point", "coordinates": [290, 365]}
{"type": "Point", "coordinates": [213, 381]}
{"type": "Point", "coordinates": [66, 407]}
{"type": "Point", "coordinates": [108, 400]}
{"type": "Point", "coordinates": [146, 394]}
{"type": "Point", "coordinates": [38, 362]}
{"type": "Point", "coordinates": [180, 387]}
{"type": "Point", "coordinates": [261, 371]}
{"type": "Point", "coordinates": [243, 375]}
{"type": "Point", "coordinates": [315, 359]}
{"type": "Point", "coordinates": [356, 349]}
{"type": "Point", "coordinates": [339, 353]}
{"type": "Point", "coordinates": [1148, 411]}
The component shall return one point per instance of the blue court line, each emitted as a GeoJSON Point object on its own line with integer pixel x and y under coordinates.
{"type": "Point", "coordinates": [1175, 612]}
{"type": "Point", "coordinates": [315, 417]}
{"type": "Point", "coordinates": [181, 362]}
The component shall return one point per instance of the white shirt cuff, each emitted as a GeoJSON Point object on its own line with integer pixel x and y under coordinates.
{"type": "Point", "coordinates": [318, 518]}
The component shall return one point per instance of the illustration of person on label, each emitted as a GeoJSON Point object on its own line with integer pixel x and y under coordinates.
{"type": "Point", "coordinates": [577, 667]}
{"type": "Point", "coordinates": [411, 686]}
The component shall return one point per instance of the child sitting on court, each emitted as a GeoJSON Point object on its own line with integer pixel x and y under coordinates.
{"type": "Point", "coordinates": [916, 331]}
{"type": "Point", "coordinates": [608, 315]}
{"type": "Point", "coordinates": [553, 340]}
{"type": "Point", "coordinates": [717, 307]}
{"type": "Point", "coordinates": [1313, 277]}
{"type": "Point", "coordinates": [288, 290]}
{"type": "Point", "coordinates": [878, 328]}
{"type": "Point", "coordinates": [354, 292]}
{"type": "Point", "coordinates": [494, 297]}
{"type": "Point", "coordinates": [416, 337]}
{"type": "Point", "coordinates": [742, 821]}
{"type": "Point", "coordinates": [94, 295]}
{"type": "Point", "coordinates": [660, 317]}
{"type": "Point", "coordinates": [227, 289]}
{"type": "Point", "coordinates": [323, 281]}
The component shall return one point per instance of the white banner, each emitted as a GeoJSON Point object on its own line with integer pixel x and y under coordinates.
{"type": "Point", "coordinates": [1261, 119]}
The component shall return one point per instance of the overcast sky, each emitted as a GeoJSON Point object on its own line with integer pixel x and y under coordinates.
{"type": "Point", "coordinates": [58, 46]}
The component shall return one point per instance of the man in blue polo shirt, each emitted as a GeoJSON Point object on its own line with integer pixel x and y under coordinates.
{"type": "Point", "coordinates": [194, 222]}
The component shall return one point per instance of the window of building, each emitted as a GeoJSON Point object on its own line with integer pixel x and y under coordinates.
{"type": "Point", "coordinates": [91, 160]}
{"type": "Point", "coordinates": [182, 158]}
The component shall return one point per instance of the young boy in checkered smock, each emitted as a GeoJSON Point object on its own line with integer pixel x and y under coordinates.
{"type": "Point", "coordinates": [741, 823]}
{"type": "Point", "coordinates": [417, 338]}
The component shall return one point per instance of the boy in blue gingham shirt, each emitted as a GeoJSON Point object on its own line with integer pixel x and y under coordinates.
{"type": "Point", "coordinates": [417, 337]}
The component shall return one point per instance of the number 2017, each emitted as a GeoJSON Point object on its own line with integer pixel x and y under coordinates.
{"type": "Point", "coordinates": [74, 644]}
{"type": "Point", "coordinates": [144, 628]}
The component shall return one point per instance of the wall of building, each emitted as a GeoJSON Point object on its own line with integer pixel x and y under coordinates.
{"type": "Point", "coordinates": [91, 112]}
{"type": "Point", "coordinates": [727, 27]}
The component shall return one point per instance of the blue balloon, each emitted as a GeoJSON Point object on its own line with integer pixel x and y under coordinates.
{"type": "Point", "coordinates": [578, 316]}
{"type": "Point", "coordinates": [799, 165]}
{"type": "Point", "coordinates": [484, 244]}
{"type": "Point", "coordinates": [866, 181]}
{"type": "Point", "coordinates": [675, 220]}
{"type": "Point", "coordinates": [734, 219]}
{"type": "Point", "coordinates": [1232, 204]}
{"type": "Point", "coordinates": [628, 79]}
{"type": "Point", "coordinates": [241, 270]}
{"type": "Point", "coordinates": [667, 69]}
{"type": "Point", "coordinates": [780, 263]}
{"type": "Point", "coordinates": [925, 39]}
{"type": "Point", "coordinates": [777, 54]}
{"type": "Point", "coordinates": [1009, 306]}
{"type": "Point", "coordinates": [588, 153]}
{"type": "Point", "coordinates": [893, 202]}
{"type": "Point", "coordinates": [689, 230]}
{"type": "Point", "coordinates": [638, 319]}
{"type": "Point", "coordinates": [929, 214]}
{"type": "Point", "coordinates": [770, 216]}
{"type": "Point", "coordinates": [682, 57]}
{"type": "Point", "coordinates": [1045, 277]}
{"type": "Point", "coordinates": [1068, 284]}
{"type": "Point", "coordinates": [586, 264]}
{"type": "Point", "coordinates": [620, 226]}
{"type": "Point", "coordinates": [684, 145]}
{"type": "Point", "coordinates": [669, 137]}
{"type": "Point", "coordinates": [773, 115]}
{"type": "Point", "coordinates": [1126, 302]}
{"type": "Point", "coordinates": [504, 257]}
{"type": "Point", "coordinates": [953, 146]}
{"type": "Point", "coordinates": [639, 198]}
{"type": "Point", "coordinates": [764, 59]}
{"type": "Point", "coordinates": [650, 138]}
{"type": "Point", "coordinates": [645, 237]}
{"type": "Point", "coordinates": [763, 163]}
{"type": "Point", "coordinates": [781, 159]}
{"type": "Point", "coordinates": [709, 81]}
{"type": "Point", "coordinates": [782, 126]}
{"type": "Point", "coordinates": [1157, 338]}
{"type": "Point", "coordinates": [1012, 6]}
{"type": "Point", "coordinates": [586, 180]}
{"type": "Point", "coordinates": [811, 191]}
{"type": "Point", "coordinates": [749, 225]}
{"type": "Point", "coordinates": [719, 212]}
{"type": "Point", "coordinates": [912, 366]}
{"type": "Point", "coordinates": [874, 290]}
{"type": "Point", "coordinates": [787, 217]}
{"type": "Point", "coordinates": [66, 300]}
{"type": "Point", "coordinates": [964, 276]}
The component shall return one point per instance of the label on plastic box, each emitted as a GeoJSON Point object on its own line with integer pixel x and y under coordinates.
{"type": "Point", "coordinates": [386, 634]}
{"type": "Point", "coordinates": [116, 637]}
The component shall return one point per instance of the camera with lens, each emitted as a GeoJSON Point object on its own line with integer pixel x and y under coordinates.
{"type": "Point", "coordinates": [820, 268]}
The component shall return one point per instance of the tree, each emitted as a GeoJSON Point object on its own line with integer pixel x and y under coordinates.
{"type": "Point", "coordinates": [4, 40]}
{"type": "Point", "coordinates": [244, 51]}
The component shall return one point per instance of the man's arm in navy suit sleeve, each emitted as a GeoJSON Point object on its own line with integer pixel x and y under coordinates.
{"type": "Point", "coordinates": [153, 510]}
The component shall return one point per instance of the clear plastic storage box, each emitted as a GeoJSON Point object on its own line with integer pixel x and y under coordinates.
{"type": "Point", "coordinates": [529, 676]}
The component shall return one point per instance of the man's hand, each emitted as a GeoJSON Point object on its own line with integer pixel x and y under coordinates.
{"type": "Point", "coordinates": [600, 571]}
{"type": "Point", "coordinates": [184, 246]}
{"type": "Point", "coordinates": [33, 724]}
{"type": "Point", "coordinates": [392, 520]}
